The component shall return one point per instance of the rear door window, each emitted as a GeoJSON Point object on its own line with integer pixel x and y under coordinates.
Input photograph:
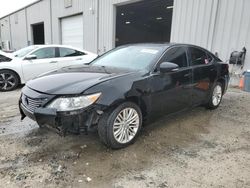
{"type": "Point", "coordinates": [198, 57]}
{"type": "Point", "coordinates": [67, 52]}
{"type": "Point", "coordinates": [176, 55]}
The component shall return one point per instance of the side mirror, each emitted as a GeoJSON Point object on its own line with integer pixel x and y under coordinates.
{"type": "Point", "coordinates": [168, 67]}
{"type": "Point", "coordinates": [30, 57]}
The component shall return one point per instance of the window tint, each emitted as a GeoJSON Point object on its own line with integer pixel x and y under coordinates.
{"type": "Point", "coordinates": [198, 57]}
{"type": "Point", "coordinates": [176, 55]}
{"type": "Point", "coordinates": [209, 57]}
{"type": "Point", "coordinates": [4, 59]}
{"type": "Point", "coordinates": [67, 52]}
{"type": "Point", "coordinates": [45, 53]}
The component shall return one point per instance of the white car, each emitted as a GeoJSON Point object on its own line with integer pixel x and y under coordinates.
{"type": "Point", "coordinates": [5, 57]}
{"type": "Point", "coordinates": [27, 63]}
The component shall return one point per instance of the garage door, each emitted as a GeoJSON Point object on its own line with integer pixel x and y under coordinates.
{"type": "Point", "coordinates": [144, 21]}
{"type": "Point", "coordinates": [72, 31]}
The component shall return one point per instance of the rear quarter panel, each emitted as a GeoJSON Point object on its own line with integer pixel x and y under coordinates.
{"type": "Point", "coordinates": [223, 73]}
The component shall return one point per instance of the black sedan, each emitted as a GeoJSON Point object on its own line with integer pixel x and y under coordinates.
{"type": "Point", "coordinates": [124, 87]}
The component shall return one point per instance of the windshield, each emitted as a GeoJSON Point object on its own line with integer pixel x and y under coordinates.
{"type": "Point", "coordinates": [24, 51]}
{"type": "Point", "coordinates": [131, 57]}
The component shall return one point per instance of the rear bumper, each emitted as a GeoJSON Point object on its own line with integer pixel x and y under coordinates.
{"type": "Point", "coordinates": [62, 122]}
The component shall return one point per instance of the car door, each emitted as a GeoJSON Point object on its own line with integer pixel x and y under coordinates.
{"type": "Point", "coordinates": [204, 74]}
{"type": "Point", "coordinates": [45, 60]}
{"type": "Point", "coordinates": [69, 56]}
{"type": "Point", "coordinates": [171, 91]}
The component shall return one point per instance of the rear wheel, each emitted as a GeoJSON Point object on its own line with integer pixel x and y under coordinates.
{"type": "Point", "coordinates": [216, 97]}
{"type": "Point", "coordinates": [8, 80]}
{"type": "Point", "coordinates": [121, 126]}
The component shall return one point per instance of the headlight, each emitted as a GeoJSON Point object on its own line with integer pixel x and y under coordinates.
{"type": "Point", "coordinates": [73, 103]}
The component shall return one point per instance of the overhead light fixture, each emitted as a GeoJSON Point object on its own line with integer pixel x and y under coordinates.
{"type": "Point", "coordinates": [170, 7]}
{"type": "Point", "coordinates": [159, 18]}
{"type": "Point", "coordinates": [122, 14]}
{"type": "Point", "coordinates": [128, 22]}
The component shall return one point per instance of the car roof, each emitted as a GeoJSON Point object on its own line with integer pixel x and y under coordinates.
{"type": "Point", "coordinates": [165, 45]}
{"type": "Point", "coordinates": [62, 46]}
{"type": "Point", "coordinates": [52, 45]}
{"type": "Point", "coordinates": [162, 44]}
{"type": "Point", "coordinates": [150, 44]}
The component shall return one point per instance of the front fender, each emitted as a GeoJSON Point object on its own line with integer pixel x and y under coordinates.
{"type": "Point", "coordinates": [15, 67]}
{"type": "Point", "coordinates": [131, 88]}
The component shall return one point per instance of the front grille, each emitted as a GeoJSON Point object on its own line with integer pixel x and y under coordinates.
{"type": "Point", "coordinates": [32, 104]}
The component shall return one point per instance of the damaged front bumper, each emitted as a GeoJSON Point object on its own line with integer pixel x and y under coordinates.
{"type": "Point", "coordinates": [63, 122]}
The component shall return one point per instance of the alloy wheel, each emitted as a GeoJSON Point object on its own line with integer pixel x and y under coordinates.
{"type": "Point", "coordinates": [217, 95]}
{"type": "Point", "coordinates": [126, 125]}
{"type": "Point", "coordinates": [7, 81]}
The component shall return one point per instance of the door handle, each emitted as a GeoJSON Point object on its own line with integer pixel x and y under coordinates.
{"type": "Point", "coordinates": [53, 62]}
{"type": "Point", "coordinates": [79, 59]}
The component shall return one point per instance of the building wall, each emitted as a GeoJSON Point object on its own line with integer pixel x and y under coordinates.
{"type": "Point", "coordinates": [59, 11]}
{"type": "Point", "coordinates": [192, 23]}
{"type": "Point", "coordinates": [37, 13]}
{"type": "Point", "coordinates": [90, 27]}
{"type": "Point", "coordinates": [232, 29]}
{"type": "Point", "coordinates": [18, 30]}
{"type": "Point", "coordinates": [225, 29]}
{"type": "Point", "coordinates": [107, 14]}
{"type": "Point", "coordinates": [219, 25]}
{"type": "Point", "coordinates": [5, 30]}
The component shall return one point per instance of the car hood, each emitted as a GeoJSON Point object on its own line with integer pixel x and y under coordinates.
{"type": "Point", "coordinates": [74, 80]}
{"type": "Point", "coordinates": [9, 55]}
{"type": "Point", "coordinates": [14, 63]}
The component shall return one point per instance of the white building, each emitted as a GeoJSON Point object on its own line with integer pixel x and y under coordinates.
{"type": "Point", "coordinates": [220, 26]}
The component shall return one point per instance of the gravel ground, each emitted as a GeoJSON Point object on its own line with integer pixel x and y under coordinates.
{"type": "Point", "coordinates": [198, 148]}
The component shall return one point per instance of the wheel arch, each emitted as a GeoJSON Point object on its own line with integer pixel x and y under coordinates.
{"type": "Point", "coordinates": [223, 83]}
{"type": "Point", "coordinates": [134, 99]}
{"type": "Point", "coordinates": [18, 76]}
{"type": "Point", "coordinates": [140, 103]}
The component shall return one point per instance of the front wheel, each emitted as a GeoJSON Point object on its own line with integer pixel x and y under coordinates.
{"type": "Point", "coordinates": [216, 97]}
{"type": "Point", "coordinates": [121, 126]}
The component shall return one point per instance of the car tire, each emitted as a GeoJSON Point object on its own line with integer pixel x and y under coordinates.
{"type": "Point", "coordinates": [215, 97]}
{"type": "Point", "coordinates": [8, 80]}
{"type": "Point", "coordinates": [120, 126]}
